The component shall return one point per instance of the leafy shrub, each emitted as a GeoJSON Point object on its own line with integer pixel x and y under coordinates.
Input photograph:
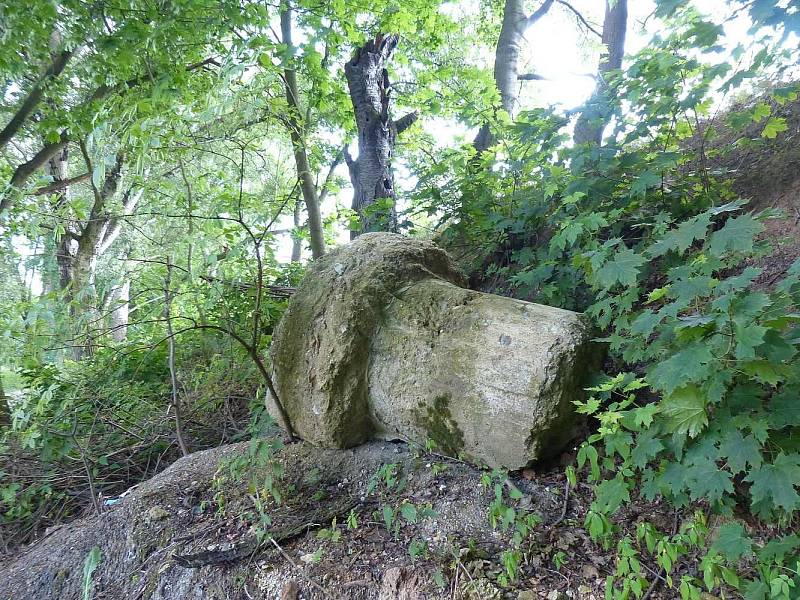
{"type": "Point", "coordinates": [700, 401]}
{"type": "Point", "coordinates": [84, 432]}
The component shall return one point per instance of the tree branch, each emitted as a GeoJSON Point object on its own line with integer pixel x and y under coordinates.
{"type": "Point", "coordinates": [531, 77]}
{"type": "Point", "coordinates": [27, 169]}
{"type": "Point", "coordinates": [60, 185]}
{"type": "Point", "coordinates": [539, 13]}
{"type": "Point", "coordinates": [406, 121]}
{"type": "Point", "coordinates": [581, 18]}
{"type": "Point", "coordinates": [57, 65]}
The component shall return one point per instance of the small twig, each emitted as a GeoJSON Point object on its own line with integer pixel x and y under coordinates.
{"type": "Point", "coordinates": [299, 569]}
{"type": "Point", "coordinates": [564, 508]}
{"type": "Point", "coordinates": [652, 588]}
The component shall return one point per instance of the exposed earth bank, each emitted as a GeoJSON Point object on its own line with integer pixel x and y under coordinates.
{"type": "Point", "coordinates": [409, 525]}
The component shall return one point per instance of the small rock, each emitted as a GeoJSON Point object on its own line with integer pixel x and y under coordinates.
{"type": "Point", "coordinates": [556, 595]}
{"type": "Point", "coordinates": [589, 571]}
{"type": "Point", "coordinates": [526, 595]}
{"type": "Point", "coordinates": [307, 558]}
{"type": "Point", "coordinates": [156, 513]}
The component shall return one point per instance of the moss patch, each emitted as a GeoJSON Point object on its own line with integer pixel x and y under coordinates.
{"type": "Point", "coordinates": [441, 428]}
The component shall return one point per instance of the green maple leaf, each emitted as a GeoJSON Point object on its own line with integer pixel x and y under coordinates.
{"type": "Point", "coordinates": [748, 338]}
{"type": "Point", "coordinates": [784, 408]}
{"type": "Point", "coordinates": [673, 479]}
{"type": "Point", "coordinates": [647, 447]}
{"type": "Point", "coordinates": [765, 371]}
{"type": "Point", "coordinates": [643, 416]}
{"type": "Point", "coordinates": [776, 348]}
{"type": "Point", "coordinates": [737, 234]}
{"type": "Point", "coordinates": [610, 494]}
{"type": "Point", "coordinates": [740, 451]}
{"type": "Point", "coordinates": [776, 481]}
{"type": "Point", "coordinates": [623, 268]}
{"type": "Point", "coordinates": [691, 230]}
{"type": "Point", "coordinates": [645, 323]}
{"type": "Point", "coordinates": [708, 481]}
{"type": "Point", "coordinates": [646, 180]}
{"type": "Point", "coordinates": [732, 542]}
{"type": "Point", "coordinates": [756, 590]}
{"type": "Point", "coordinates": [773, 127]}
{"type": "Point", "coordinates": [692, 364]}
{"type": "Point", "coordinates": [683, 236]}
{"type": "Point", "coordinates": [685, 410]}
{"type": "Point", "coordinates": [777, 549]}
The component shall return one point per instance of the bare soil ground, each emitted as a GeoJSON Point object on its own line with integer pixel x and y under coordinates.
{"type": "Point", "coordinates": [188, 534]}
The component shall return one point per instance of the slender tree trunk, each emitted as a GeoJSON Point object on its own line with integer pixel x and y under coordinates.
{"type": "Point", "coordinates": [506, 60]}
{"type": "Point", "coordinates": [297, 246]}
{"type": "Point", "coordinates": [5, 410]}
{"type": "Point", "coordinates": [297, 133]}
{"type": "Point", "coordinates": [121, 308]}
{"type": "Point", "coordinates": [595, 116]}
{"type": "Point", "coordinates": [64, 247]}
{"type": "Point", "coordinates": [173, 376]}
{"type": "Point", "coordinates": [371, 172]}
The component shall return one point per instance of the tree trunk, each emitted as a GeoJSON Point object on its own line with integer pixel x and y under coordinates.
{"type": "Point", "coordinates": [5, 409]}
{"type": "Point", "coordinates": [297, 133]}
{"type": "Point", "coordinates": [595, 116]}
{"type": "Point", "coordinates": [297, 246]}
{"type": "Point", "coordinates": [506, 61]}
{"type": "Point", "coordinates": [173, 376]}
{"type": "Point", "coordinates": [64, 247]}
{"type": "Point", "coordinates": [120, 302]}
{"type": "Point", "coordinates": [371, 172]}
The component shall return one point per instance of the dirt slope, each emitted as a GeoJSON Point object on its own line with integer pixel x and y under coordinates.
{"type": "Point", "coordinates": [180, 535]}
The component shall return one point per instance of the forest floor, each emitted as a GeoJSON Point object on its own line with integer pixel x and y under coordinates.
{"type": "Point", "coordinates": [192, 532]}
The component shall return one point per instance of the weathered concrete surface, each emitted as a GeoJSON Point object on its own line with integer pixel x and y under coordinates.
{"type": "Point", "coordinates": [488, 377]}
{"type": "Point", "coordinates": [381, 340]}
{"type": "Point", "coordinates": [320, 348]}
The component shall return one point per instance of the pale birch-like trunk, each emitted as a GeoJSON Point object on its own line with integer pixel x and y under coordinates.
{"type": "Point", "coordinates": [506, 61]}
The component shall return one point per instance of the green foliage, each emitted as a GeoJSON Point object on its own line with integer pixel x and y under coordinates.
{"type": "Point", "coordinates": [89, 567]}
{"type": "Point", "coordinates": [656, 248]}
{"type": "Point", "coordinates": [109, 410]}
{"type": "Point", "coordinates": [505, 514]}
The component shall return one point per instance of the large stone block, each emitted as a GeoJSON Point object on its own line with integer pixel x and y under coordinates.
{"type": "Point", "coordinates": [382, 340]}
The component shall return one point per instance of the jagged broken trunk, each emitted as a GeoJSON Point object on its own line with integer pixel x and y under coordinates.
{"type": "Point", "coordinates": [371, 171]}
{"type": "Point", "coordinates": [382, 340]}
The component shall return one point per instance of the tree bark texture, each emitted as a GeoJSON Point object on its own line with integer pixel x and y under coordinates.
{"type": "Point", "coordinates": [120, 311]}
{"type": "Point", "coordinates": [595, 116]}
{"type": "Point", "coordinates": [297, 134]}
{"type": "Point", "coordinates": [506, 61]}
{"type": "Point", "coordinates": [371, 171]}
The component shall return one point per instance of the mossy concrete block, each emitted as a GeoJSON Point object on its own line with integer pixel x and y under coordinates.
{"type": "Point", "coordinates": [382, 340]}
{"type": "Point", "coordinates": [320, 349]}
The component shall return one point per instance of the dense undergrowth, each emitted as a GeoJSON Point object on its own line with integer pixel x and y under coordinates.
{"type": "Point", "coordinates": [85, 432]}
{"type": "Point", "coordinates": [700, 401]}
